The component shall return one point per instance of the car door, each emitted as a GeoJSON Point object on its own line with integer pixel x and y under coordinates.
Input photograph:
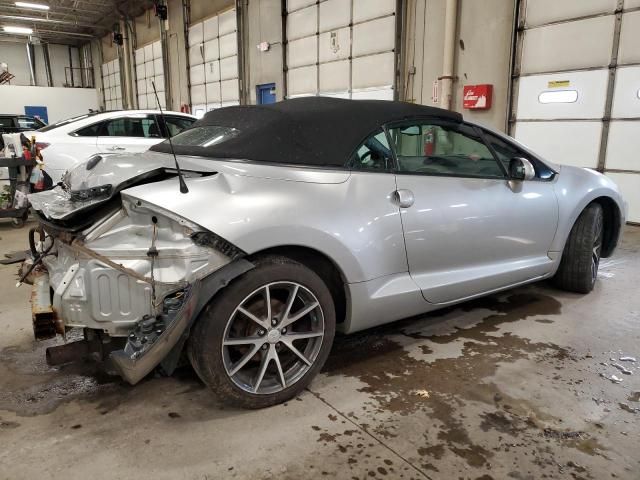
{"type": "Point", "coordinates": [468, 229]}
{"type": "Point", "coordinates": [133, 133]}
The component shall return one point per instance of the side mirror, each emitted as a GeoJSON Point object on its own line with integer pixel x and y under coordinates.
{"type": "Point", "coordinates": [521, 169]}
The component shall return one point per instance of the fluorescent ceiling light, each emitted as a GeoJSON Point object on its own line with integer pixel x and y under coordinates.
{"type": "Point", "coordinates": [24, 30]}
{"type": "Point", "coordinates": [35, 6]}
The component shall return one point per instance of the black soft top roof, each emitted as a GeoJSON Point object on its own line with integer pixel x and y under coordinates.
{"type": "Point", "coordinates": [314, 131]}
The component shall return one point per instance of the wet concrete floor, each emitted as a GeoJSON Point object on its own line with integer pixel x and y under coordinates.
{"type": "Point", "coordinates": [520, 385]}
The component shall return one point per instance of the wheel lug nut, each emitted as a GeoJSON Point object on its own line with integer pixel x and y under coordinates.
{"type": "Point", "coordinates": [265, 346]}
{"type": "Point", "coordinates": [284, 330]}
{"type": "Point", "coordinates": [261, 332]}
{"type": "Point", "coordinates": [274, 322]}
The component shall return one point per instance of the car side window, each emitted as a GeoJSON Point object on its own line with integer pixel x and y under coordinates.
{"type": "Point", "coordinates": [175, 125]}
{"type": "Point", "coordinates": [90, 131]}
{"type": "Point", "coordinates": [444, 150]}
{"type": "Point", "coordinates": [30, 123]}
{"type": "Point", "coordinates": [373, 154]}
{"type": "Point", "coordinates": [6, 122]}
{"type": "Point", "coordinates": [505, 151]}
{"type": "Point", "coordinates": [140, 127]}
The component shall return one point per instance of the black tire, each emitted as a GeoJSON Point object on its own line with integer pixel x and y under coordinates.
{"type": "Point", "coordinates": [581, 256]}
{"type": "Point", "coordinates": [205, 346]}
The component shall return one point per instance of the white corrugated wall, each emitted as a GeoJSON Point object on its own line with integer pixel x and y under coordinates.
{"type": "Point", "coordinates": [577, 94]}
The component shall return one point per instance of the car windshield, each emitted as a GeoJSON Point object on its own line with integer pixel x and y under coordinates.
{"type": "Point", "coordinates": [204, 136]}
{"type": "Point", "coordinates": [64, 122]}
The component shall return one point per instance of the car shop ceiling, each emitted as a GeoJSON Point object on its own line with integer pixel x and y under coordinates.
{"type": "Point", "coordinates": [67, 21]}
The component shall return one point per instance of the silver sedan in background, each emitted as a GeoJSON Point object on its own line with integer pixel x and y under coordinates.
{"type": "Point", "coordinates": [250, 239]}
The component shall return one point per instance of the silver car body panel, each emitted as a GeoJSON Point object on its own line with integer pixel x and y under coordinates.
{"type": "Point", "coordinates": [460, 239]}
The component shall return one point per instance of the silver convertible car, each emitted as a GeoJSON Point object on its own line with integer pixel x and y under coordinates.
{"type": "Point", "coordinates": [247, 242]}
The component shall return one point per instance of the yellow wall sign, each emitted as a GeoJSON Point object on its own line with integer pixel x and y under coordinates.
{"type": "Point", "coordinates": [559, 83]}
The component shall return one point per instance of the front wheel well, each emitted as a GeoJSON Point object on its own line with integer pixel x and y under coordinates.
{"type": "Point", "coordinates": [319, 263]}
{"type": "Point", "coordinates": [612, 225]}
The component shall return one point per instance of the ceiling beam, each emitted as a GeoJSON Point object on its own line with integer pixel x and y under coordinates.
{"type": "Point", "coordinates": [19, 18]}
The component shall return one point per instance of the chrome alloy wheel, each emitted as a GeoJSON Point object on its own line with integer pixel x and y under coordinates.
{"type": "Point", "coordinates": [273, 337]}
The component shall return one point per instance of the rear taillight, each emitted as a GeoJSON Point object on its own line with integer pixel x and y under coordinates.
{"type": "Point", "coordinates": [41, 145]}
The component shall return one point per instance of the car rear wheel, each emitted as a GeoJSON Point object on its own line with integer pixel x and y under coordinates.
{"type": "Point", "coordinates": [581, 257]}
{"type": "Point", "coordinates": [263, 338]}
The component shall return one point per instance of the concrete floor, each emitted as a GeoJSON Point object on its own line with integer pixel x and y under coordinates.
{"type": "Point", "coordinates": [512, 386]}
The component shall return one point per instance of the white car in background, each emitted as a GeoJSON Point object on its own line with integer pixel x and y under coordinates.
{"type": "Point", "coordinates": [72, 141]}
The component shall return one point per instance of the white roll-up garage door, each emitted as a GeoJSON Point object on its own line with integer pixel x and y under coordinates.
{"type": "Point", "coordinates": [149, 68]}
{"type": "Point", "coordinates": [213, 63]}
{"type": "Point", "coordinates": [577, 87]}
{"type": "Point", "coordinates": [111, 88]}
{"type": "Point", "coordinates": [341, 48]}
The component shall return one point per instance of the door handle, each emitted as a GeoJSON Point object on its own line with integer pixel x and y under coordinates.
{"type": "Point", "coordinates": [115, 147]}
{"type": "Point", "coordinates": [404, 198]}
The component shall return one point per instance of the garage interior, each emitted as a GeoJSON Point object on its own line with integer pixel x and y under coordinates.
{"type": "Point", "coordinates": [528, 383]}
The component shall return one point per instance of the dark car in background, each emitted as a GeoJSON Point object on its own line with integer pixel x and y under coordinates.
{"type": "Point", "coordinates": [12, 123]}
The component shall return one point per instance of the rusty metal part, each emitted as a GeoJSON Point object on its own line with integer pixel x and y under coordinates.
{"type": "Point", "coordinates": [45, 321]}
{"type": "Point", "coordinates": [67, 353]}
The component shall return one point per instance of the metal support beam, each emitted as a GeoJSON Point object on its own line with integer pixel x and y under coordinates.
{"type": "Point", "coordinates": [47, 64]}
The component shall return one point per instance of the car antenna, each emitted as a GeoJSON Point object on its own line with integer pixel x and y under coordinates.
{"type": "Point", "coordinates": [183, 185]}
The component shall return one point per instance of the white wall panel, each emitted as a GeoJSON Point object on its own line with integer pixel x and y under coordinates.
{"type": "Point", "coordinates": [335, 45]}
{"type": "Point", "coordinates": [148, 52]}
{"type": "Point", "coordinates": [157, 66]}
{"type": "Point", "coordinates": [368, 9]}
{"type": "Point", "coordinates": [374, 37]}
{"type": "Point", "coordinates": [590, 86]}
{"type": "Point", "coordinates": [229, 68]}
{"type": "Point", "coordinates": [229, 90]}
{"type": "Point", "coordinates": [567, 143]}
{"type": "Point", "coordinates": [341, 47]}
{"type": "Point", "coordinates": [140, 71]}
{"type": "Point", "coordinates": [373, 71]}
{"type": "Point", "coordinates": [568, 46]}
{"type": "Point", "coordinates": [547, 11]}
{"type": "Point", "coordinates": [631, 4]}
{"type": "Point", "coordinates": [298, 4]}
{"type": "Point", "coordinates": [142, 86]}
{"type": "Point", "coordinates": [159, 80]}
{"type": "Point", "coordinates": [623, 147]}
{"type": "Point", "coordinates": [195, 55]}
{"type": "Point", "coordinates": [218, 59]}
{"type": "Point", "coordinates": [138, 56]}
{"type": "Point", "coordinates": [148, 69]}
{"type": "Point", "coordinates": [626, 96]}
{"type": "Point", "coordinates": [210, 29]}
{"type": "Point", "coordinates": [334, 76]}
{"type": "Point", "coordinates": [302, 23]}
{"type": "Point", "coordinates": [198, 94]}
{"type": "Point", "coordinates": [197, 75]}
{"type": "Point", "coordinates": [212, 70]}
{"type": "Point", "coordinates": [211, 50]}
{"type": "Point", "coordinates": [302, 80]}
{"type": "Point", "coordinates": [227, 22]}
{"type": "Point", "coordinates": [628, 183]}
{"type": "Point", "coordinates": [213, 92]}
{"type": "Point", "coordinates": [228, 45]}
{"type": "Point", "coordinates": [196, 34]}
{"type": "Point", "coordinates": [302, 52]}
{"type": "Point", "coordinates": [334, 14]}
{"type": "Point", "coordinates": [157, 49]}
{"type": "Point", "coordinates": [373, 94]}
{"type": "Point", "coordinates": [630, 38]}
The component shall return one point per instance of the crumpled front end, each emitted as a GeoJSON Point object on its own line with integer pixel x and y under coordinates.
{"type": "Point", "coordinates": [139, 274]}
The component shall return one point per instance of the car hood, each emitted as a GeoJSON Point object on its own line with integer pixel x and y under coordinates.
{"type": "Point", "coordinates": [102, 177]}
